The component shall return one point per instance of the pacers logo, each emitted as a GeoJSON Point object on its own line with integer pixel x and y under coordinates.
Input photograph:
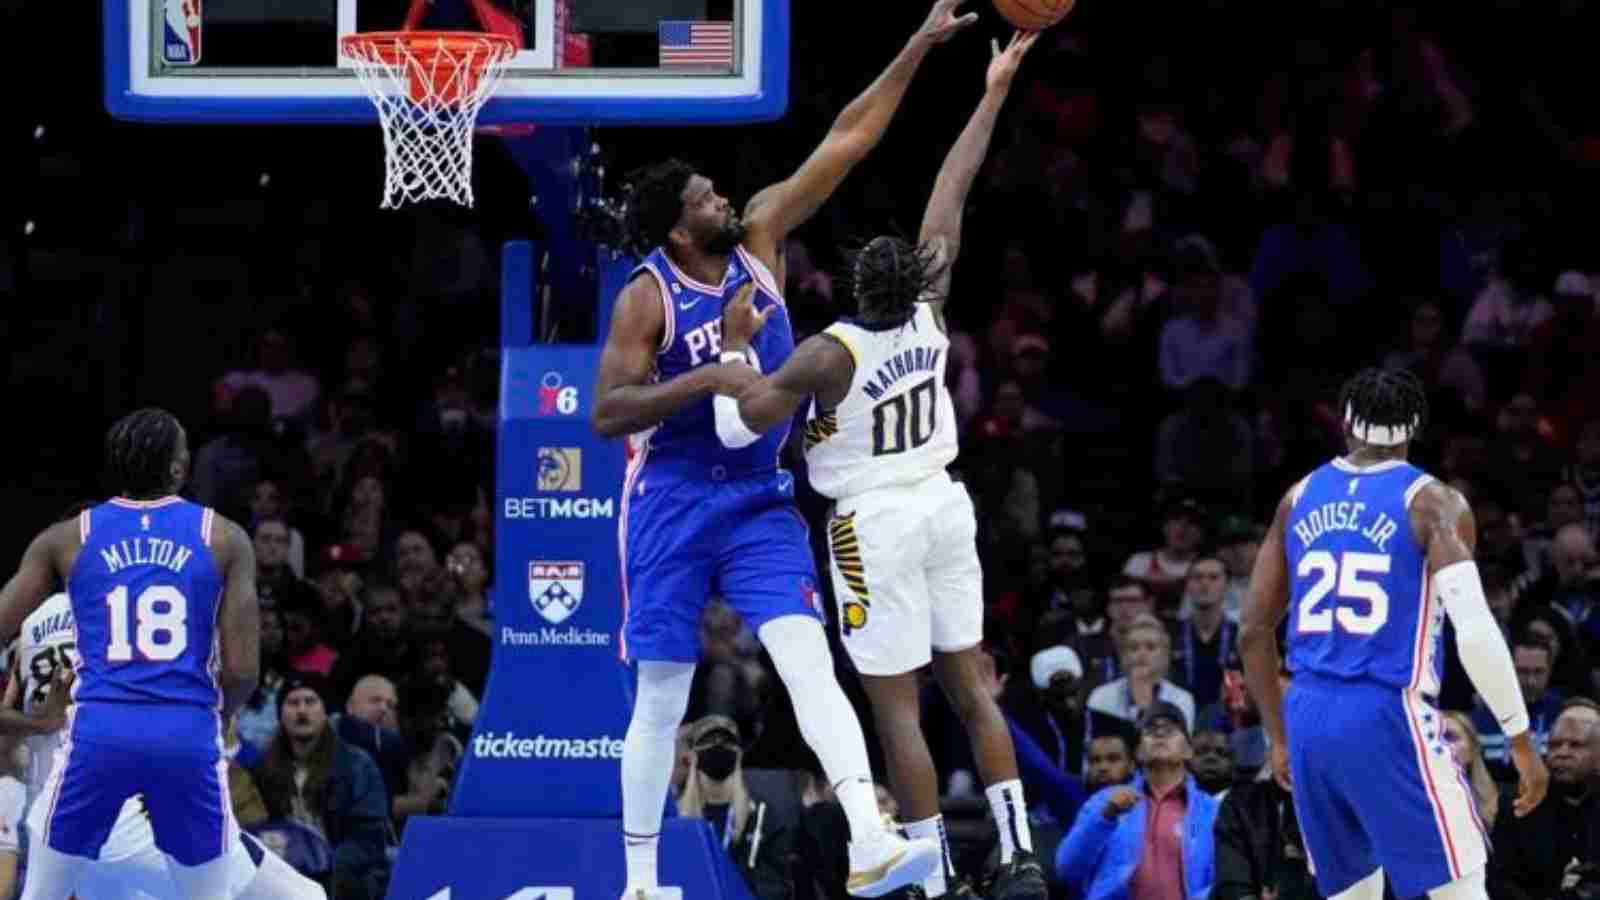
{"type": "Point", "coordinates": [847, 559]}
{"type": "Point", "coordinates": [855, 616]}
{"type": "Point", "coordinates": [560, 469]}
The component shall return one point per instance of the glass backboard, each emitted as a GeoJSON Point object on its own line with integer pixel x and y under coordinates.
{"type": "Point", "coordinates": [638, 62]}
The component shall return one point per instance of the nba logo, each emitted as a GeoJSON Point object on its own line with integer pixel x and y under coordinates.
{"type": "Point", "coordinates": [181, 46]}
{"type": "Point", "coordinates": [808, 592]}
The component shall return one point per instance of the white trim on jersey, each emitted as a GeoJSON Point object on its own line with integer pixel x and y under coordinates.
{"type": "Point", "coordinates": [700, 286]}
{"type": "Point", "coordinates": [1416, 488]}
{"type": "Point", "coordinates": [669, 328]}
{"type": "Point", "coordinates": [1298, 489]}
{"type": "Point", "coordinates": [83, 527]}
{"type": "Point", "coordinates": [1345, 465]}
{"type": "Point", "coordinates": [1454, 805]}
{"type": "Point", "coordinates": [206, 519]}
{"type": "Point", "coordinates": [760, 274]}
{"type": "Point", "coordinates": [635, 466]}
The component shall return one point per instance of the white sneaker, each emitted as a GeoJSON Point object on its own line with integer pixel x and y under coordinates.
{"type": "Point", "coordinates": [888, 862]}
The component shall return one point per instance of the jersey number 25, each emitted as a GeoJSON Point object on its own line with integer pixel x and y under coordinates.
{"type": "Point", "coordinates": [1346, 572]}
{"type": "Point", "coordinates": [160, 617]}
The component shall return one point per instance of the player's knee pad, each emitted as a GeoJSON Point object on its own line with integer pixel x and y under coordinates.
{"type": "Point", "coordinates": [1467, 887]}
{"type": "Point", "coordinates": [1368, 888]}
{"type": "Point", "coordinates": [663, 695]}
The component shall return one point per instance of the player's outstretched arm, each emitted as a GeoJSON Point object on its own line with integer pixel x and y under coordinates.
{"type": "Point", "coordinates": [941, 222]}
{"type": "Point", "coordinates": [240, 624]}
{"type": "Point", "coordinates": [783, 207]}
{"type": "Point", "coordinates": [1258, 636]}
{"type": "Point", "coordinates": [625, 400]}
{"type": "Point", "coordinates": [36, 575]}
{"type": "Point", "coordinates": [1443, 522]}
{"type": "Point", "coordinates": [820, 366]}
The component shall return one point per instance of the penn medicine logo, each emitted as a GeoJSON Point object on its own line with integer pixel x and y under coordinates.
{"type": "Point", "coordinates": [560, 469]}
{"type": "Point", "coordinates": [555, 589]}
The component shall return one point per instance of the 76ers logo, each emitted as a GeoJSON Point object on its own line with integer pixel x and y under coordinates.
{"type": "Point", "coordinates": [556, 397]}
{"type": "Point", "coordinates": [181, 43]}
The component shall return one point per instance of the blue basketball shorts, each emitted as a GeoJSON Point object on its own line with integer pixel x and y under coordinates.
{"type": "Point", "coordinates": [1375, 785]}
{"type": "Point", "coordinates": [170, 756]}
{"type": "Point", "coordinates": [684, 540]}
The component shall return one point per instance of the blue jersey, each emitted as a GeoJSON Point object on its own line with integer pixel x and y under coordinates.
{"type": "Point", "coordinates": [693, 337]}
{"type": "Point", "coordinates": [1359, 598]}
{"type": "Point", "coordinates": [145, 594]}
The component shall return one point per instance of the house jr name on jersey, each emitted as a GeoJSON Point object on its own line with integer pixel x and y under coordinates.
{"type": "Point", "coordinates": [1345, 515]}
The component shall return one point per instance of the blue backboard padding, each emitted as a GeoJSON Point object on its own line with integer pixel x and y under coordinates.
{"type": "Point", "coordinates": [767, 103]}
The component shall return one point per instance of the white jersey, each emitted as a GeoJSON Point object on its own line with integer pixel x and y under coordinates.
{"type": "Point", "coordinates": [897, 423]}
{"type": "Point", "coordinates": [49, 639]}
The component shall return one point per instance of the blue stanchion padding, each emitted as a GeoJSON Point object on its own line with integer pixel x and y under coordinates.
{"type": "Point", "coordinates": [552, 859]}
{"type": "Point", "coordinates": [547, 741]}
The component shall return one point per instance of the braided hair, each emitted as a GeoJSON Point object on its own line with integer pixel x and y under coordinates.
{"type": "Point", "coordinates": [139, 452]}
{"type": "Point", "coordinates": [1384, 403]}
{"type": "Point", "coordinates": [889, 275]}
{"type": "Point", "coordinates": [655, 203]}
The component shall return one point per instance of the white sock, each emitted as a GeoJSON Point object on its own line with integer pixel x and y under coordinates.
{"type": "Point", "coordinates": [936, 884]}
{"type": "Point", "coordinates": [828, 722]}
{"type": "Point", "coordinates": [648, 752]}
{"type": "Point", "coordinates": [1010, 818]}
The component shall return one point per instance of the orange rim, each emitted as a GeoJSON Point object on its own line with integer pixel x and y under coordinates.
{"type": "Point", "coordinates": [427, 45]}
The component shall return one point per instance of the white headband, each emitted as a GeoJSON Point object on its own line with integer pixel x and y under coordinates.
{"type": "Point", "coordinates": [1377, 435]}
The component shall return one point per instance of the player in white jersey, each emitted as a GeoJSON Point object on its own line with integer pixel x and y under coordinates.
{"type": "Point", "coordinates": [130, 865]}
{"type": "Point", "coordinates": [880, 432]}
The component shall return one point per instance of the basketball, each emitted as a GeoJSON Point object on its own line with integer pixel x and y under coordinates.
{"type": "Point", "coordinates": [1033, 15]}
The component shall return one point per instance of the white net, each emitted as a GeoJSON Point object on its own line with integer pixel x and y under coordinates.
{"type": "Point", "coordinates": [428, 89]}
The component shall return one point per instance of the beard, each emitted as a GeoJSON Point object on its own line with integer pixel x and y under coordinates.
{"type": "Point", "coordinates": [723, 240]}
{"type": "Point", "coordinates": [1214, 780]}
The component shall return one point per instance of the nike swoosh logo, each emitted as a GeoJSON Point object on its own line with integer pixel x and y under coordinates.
{"type": "Point", "coordinates": [690, 304]}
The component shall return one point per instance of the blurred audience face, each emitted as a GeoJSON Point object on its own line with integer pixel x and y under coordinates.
{"type": "Point", "coordinates": [1067, 557]}
{"type": "Point", "coordinates": [266, 501]}
{"type": "Point", "coordinates": [1162, 742]}
{"type": "Point", "coordinates": [1565, 507]}
{"type": "Point", "coordinates": [1496, 538]}
{"type": "Point", "coordinates": [1009, 402]}
{"type": "Point", "coordinates": [1426, 324]}
{"type": "Point", "coordinates": [374, 701]}
{"type": "Point", "coordinates": [1127, 603]}
{"type": "Point", "coordinates": [1533, 672]}
{"type": "Point", "coordinates": [1519, 417]}
{"type": "Point", "coordinates": [1182, 533]}
{"type": "Point", "coordinates": [1572, 554]}
{"type": "Point", "coordinates": [272, 545]}
{"type": "Point", "coordinates": [1239, 557]}
{"type": "Point", "coordinates": [271, 632]}
{"type": "Point", "coordinates": [1570, 753]}
{"type": "Point", "coordinates": [413, 555]}
{"type": "Point", "coordinates": [1109, 763]}
{"type": "Point", "coordinates": [1589, 443]}
{"type": "Point", "coordinates": [302, 715]}
{"type": "Point", "coordinates": [299, 632]}
{"type": "Point", "coordinates": [1144, 652]}
{"type": "Point", "coordinates": [384, 616]}
{"type": "Point", "coordinates": [1062, 695]}
{"type": "Point", "coordinates": [466, 566]}
{"type": "Point", "coordinates": [1206, 582]}
{"type": "Point", "coordinates": [1213, 761]}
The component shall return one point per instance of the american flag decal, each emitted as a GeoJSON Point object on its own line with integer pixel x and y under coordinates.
{"type": "Point", "coordinates": [696, 44]}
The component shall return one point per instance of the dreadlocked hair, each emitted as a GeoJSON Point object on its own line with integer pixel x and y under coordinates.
{"type": "Point", "coordinates": [139, 450]}
{"type": "Point", "coordinates": [655, 203]}
{"type": "Point", "coordinates": [1385, 398]}
{"type": "Point", "coordinates": [888, 275]}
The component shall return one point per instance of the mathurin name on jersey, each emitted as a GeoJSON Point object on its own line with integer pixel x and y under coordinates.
{"type": "Point", "coordinates": [909, 362]}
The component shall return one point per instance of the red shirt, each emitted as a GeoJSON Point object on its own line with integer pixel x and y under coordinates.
{"type": "Point", "coordinates": [1159, 875]}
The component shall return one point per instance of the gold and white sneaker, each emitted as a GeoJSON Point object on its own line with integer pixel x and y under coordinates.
{"type": "Point", "coordinates": [888, 862]}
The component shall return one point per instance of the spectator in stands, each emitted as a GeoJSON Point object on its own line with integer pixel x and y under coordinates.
{"type": "Point", "coordinates": [272, 556]}
{"type": "Point", "coordinates": [1584, 474]}
{"type": "Point", "coordinates": [1153, 838]}
{"type": "Point", "coordinates": [1571, 584]}
{"type": "Point", "coordinates": [1111, 759]}
{"type": "Point", "coordinates": [1564, 507]}
{"type": "Point", "coordinates": [1146, 658]}
{"type": "Point", "coordinates": [1558, 843]}
{"type": "Point", "coordinates": [1443, 365]}
{"type": "Point", "coordinates": [340, 589]}
{"type": "Point", "coordinates": [1048, 705]}
{"type": "Point", "coordinates": [257, 721]}
{"type": "Point", "coordinates": [757, 838]}
{"type": "Point", "coordinates": [1566, 375]}
{"type": "Point", "coordinates": [293, 392]}
{"type": "Point", "coordinates": [370, 721]}
{"type": "Point", "coordinates": [1462, 739]}
{"type": "Point", "coordinates": [1238, 541]}
{"type": "Point", "coordinates": [267, 501]}
{"type": "Point", "coordinates": [1212, 763]}
{"type": "Point", "coordinates": [414, 560]}
{"type": "Point", "coordinates": [1498, 545]}
{"type": "Point", "coordinates": [1199, 340]}
{"type": "Point", "coordinates": [467, 566]}
{"type": "Point", "coordinates": [312, 778]}
{"type": "Point", "coordinates": [1533, 657]}
{"type": "Point", "coordinates": [1162, 569]}
{"type": "Point", "coordinates": [1510, 308]}
{"type": "Point", "coordinates": [382, 646]}
{"type": "Point", "coordinates": [1206, 446]}
{"type": "Point", "coordinates": [1522, 458]}
{"type": "Point", "coordinates": [1203, 640]}
{"type": "Point", "coordinates": [303, 645]}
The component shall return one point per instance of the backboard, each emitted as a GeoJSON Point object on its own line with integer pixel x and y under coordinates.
{"type": "Point", "coordinates": [639, 62]}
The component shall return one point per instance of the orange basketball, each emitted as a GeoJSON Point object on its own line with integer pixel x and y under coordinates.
{"type": "Point", "coordinates": [1033, 15]}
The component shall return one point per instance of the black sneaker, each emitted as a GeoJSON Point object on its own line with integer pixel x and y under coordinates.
{"type": "Point", "coordinates": [1020, 879]}
{"type": "Point", "coordinates": [961, 889]}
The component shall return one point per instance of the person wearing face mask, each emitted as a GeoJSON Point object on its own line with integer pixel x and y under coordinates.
{"type": "Point", "coordinates": [757, 838]}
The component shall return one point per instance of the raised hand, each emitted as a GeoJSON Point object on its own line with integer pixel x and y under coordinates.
{"type": "Point", "coordinates": [741, 320]}
{"type": "Point", "coordinates": [943, 23]}
{"type": "Point", "coordinates": [1003, 64]}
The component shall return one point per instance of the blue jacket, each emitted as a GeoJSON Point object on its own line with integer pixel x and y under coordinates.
{"type": "Point", "coordinates": [1098, 857]}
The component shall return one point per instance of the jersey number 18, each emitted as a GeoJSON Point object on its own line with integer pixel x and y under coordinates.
{"type": "Point", "coordinates": [159, 619]}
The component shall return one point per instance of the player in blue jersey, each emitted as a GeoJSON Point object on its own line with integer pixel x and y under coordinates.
{"type": "Point", "coordinates": [163, 595]}
{"type": "Point", "coordinates": [699, 519]}
{"type": "Point", "coordinates": [1367, 555]}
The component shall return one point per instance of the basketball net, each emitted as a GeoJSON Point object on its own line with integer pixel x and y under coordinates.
{"type": "Point", "coordinates": [428, 87]}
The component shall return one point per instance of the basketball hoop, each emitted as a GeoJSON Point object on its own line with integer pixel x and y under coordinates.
{"type": "Point", "coordinates": [428, 87]}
